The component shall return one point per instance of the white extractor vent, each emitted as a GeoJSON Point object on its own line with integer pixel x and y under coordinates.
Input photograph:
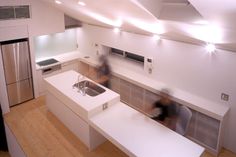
{"type": "Point", "coordinates": [14, 12]}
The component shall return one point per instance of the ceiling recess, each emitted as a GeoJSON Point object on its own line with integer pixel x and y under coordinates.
{"type": "Point", "coordinates": [71, 22]}
{"type": "Point", "coordinates": [179, 10]}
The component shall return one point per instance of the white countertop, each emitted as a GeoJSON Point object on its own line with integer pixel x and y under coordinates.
{"type": "Point", "coordinates": [61, 86]}
{"type": "Point", "coordinates": [213, 109]}
{"type": "Point", "coordinates": [133, 132]}
{"type": "Point", "coordinates": [62, 58]}
{"type": "Point", "coordinates": [140, 136]}
{"type": "Point", "coordinates": [69, 56]}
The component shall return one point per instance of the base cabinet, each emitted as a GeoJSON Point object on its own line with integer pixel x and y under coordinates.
{"type": "Point", "coordinates": [87, 70]}
{"type": "Point", "coordinates": [203, 129]}
{"type": "Point", "coordinates": [72, 65]}
{"type": "Point", "coordinates": [90, 137]}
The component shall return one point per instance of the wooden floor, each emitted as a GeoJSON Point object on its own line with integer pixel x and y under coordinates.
{"type": "Point", "coordinates": [4, 154]}
{"type": "Point", "coordinates": [41, 134]}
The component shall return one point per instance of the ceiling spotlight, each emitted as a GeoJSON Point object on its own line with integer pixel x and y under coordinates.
{"type": "Point", "coordinates": [210, 48]}
{"type": "Point", "coordinates": [156, 37]}
{"type": "Point", "coordinates": [81, 3]}
{"type": "Point", "coordinates": [58, 2]}
{"type": "Point", "coordinates": [116, 30]}
{"type": "Point", "coordinates": [201, 22]}
{"type": "Point", "coordinates": [118, 23]}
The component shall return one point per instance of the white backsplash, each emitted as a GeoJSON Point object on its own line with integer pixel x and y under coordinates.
{"type": "Point", "coordinates": [54, 44]}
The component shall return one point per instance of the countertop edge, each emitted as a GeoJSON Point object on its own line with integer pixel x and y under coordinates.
{"type": "Point", "coordinates": [217, 113]}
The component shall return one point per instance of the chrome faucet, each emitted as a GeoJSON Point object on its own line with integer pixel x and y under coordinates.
{"type": "Point", "coordinates": [82, 87]}
{"type": "Point", "coordinates": [77, 83]}
{"type": "Point", "coordinates": [81, 84]}
{"type": "Point", "coordinates": [79, 79]}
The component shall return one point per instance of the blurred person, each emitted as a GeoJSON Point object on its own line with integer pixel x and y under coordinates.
{"type": "Point", "coordinates": [166, 110]}
{"type": "Point", "coordinates": [104, 72]}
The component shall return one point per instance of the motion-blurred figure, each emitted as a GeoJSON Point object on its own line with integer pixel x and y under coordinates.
{"type": "Point", "coordinates": [104, 72]}
{"type": "Point", "coordinates": [168, 110]}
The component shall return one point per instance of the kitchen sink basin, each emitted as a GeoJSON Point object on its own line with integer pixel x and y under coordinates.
{"type": "Point", "coordinates": [89, 88]}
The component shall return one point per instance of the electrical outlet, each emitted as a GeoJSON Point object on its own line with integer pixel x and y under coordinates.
{"type": "Point", "coordinates": [149, 70]}
{"type": "Point", "coordinates": [224, 97]}
{"type": "Point", "coordinates": [104, 106]}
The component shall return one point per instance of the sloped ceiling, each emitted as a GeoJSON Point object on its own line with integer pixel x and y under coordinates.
{"type": "Point", "coordinates": [194, 21]}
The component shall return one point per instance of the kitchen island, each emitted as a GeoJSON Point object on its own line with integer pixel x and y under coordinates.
{"type": "Point", "coordinates": [33, 131]}
{"type": "Point", "coordinates": [130, 130]}
{"type": "Point", "coordinates": [74, 109]}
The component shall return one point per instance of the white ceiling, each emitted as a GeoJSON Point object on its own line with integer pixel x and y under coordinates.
{"type": "Point", "coordinates": [195, 21]}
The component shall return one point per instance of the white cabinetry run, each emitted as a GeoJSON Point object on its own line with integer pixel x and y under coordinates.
{"type": "Point", "coordinates": [205, 129]}
{"type": "Point", "coordinates": [207, 124]}
{"type": "Point", "coordinates": [66, 66]}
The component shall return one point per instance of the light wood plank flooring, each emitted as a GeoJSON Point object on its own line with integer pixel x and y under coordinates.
{"type": "Point", "coordinates": [4, 154]}
{"type": "Point", "coordinates": [41, 134]}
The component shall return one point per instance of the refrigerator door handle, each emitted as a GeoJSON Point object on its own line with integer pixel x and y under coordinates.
{"type": "Point", "coordinates": [16, 59]}
{"type": "Point", "coordinates": [27, 66]}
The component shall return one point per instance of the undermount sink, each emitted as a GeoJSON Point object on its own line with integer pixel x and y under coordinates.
{"type": "Point", "coordinates": [89, 88]}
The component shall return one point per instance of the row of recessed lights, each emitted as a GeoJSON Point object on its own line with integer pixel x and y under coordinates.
{"type": "Point", "coordinates": [209, 47]}
{"type": "Point", "coordinates": [79, 2]}
{"type": "Point", "coordinates": [117, 30]}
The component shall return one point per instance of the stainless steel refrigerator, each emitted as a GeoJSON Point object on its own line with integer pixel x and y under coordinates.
{"type": "Point", "coordinates": [17, 69]}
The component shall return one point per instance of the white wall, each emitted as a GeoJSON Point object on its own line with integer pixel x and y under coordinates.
{"type": "Point", "coordinates": [55, 44]}
{"type": "Point", "coordinates": [180, 65]}
{"type": "Point", "coordinates": [44, 20]}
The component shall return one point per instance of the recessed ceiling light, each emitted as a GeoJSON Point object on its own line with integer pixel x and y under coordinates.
{"type": "Point", "coordinates": [119, 23]}
{"type": "Point", "coordinates": [101, 18]}
{"type": "Point", "coordinates": [201, 22]}
{"type": "Point", "coordinates": [116, 30]}
{"type": "Point", "coordinates": [210, 48]}
{"type": "Point", "coordinates": [156, 28]}
{"type": "Point", "coordinates": [58, 2]}
{"type": "Point", "coordinates": [156, 37]}
{"type": "Point", "coordinates": [208, 33]}
{"type": "Point", "coordinates": [81, 3]}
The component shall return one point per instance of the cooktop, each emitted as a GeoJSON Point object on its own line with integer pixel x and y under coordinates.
{"type": "Point", "coordinates": [47, 62]}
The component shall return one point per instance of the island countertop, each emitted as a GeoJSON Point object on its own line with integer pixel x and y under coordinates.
{"type": "Point", "coordinates": [61, 84]}
{"type": "Point", "coordinates": [138, 135]}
